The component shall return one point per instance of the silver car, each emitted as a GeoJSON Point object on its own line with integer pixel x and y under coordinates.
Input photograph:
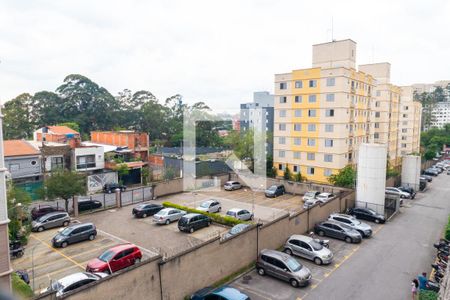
{"type": "Point", "coordinates": [282, 266]}
{"type": "Point", "coordinates": [210, 206]}
{"type": "Point", "coordinates": [364, 229]}
{"type": "Point", "coordinates": [310, 202]}
{"type": "Point", "coordinates": [324, 197]}
{"type": "Point", "coordinates": [241, 214]}
{"type": "Point", "coordinates": [168, 215]}
{"type": "Point", "coordinates": [307, 247]}
{"type": "Point", "coordinates": [51, 220]}
{"type": "Point", "coordinates": [72, 282]}
{"type": "Point", "coordinates": [231, 185]}
{"type": "Point", "coordinates": [310, 195]}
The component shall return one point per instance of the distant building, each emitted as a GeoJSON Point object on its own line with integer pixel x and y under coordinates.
{"type": "Point", "coordinates": [23, 161]}
{"type": "Point", "coordinates": [441, 114]}
{"type": "Point", "coordinates": [259, 114]}
{"type": "Point", "coordinates": [430, 87]}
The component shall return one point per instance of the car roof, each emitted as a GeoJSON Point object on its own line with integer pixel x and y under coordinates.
{"type": "Point", "coordinates": [121, 247]}
{"type": "Point", "coordinates": [72, 278]}
{"type": "Point", "coordinates": [325, 194]}
{"type": "Point", "coordinates": [81, 224]}
{"type": "Point", "coordinates": [53, 213]}
{"type": "Point", "coordinates": [167, 209]}
{"type": "Point", "coordinates": [191, 215]}
{"type": "Point", "coordinates": [333, 222]}
{"type": "Point", "coordinates": [274, 253]}
{"type": "Point", "coordinates": [311, 192]}
{"type": "Point", "coordinates": [235, 209]}
{"type": "Point", "coordinates": [300, 237]}
{"type": "Point", "coordinates": [230, 293]}
{"type": "Point", "coordinates": [209, 201]}
{"type": "Point", "coordinates": [341, 215]}
{"type": "Point", "coordinates": [232, 181]}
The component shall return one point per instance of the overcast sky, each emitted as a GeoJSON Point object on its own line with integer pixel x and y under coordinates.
{"type": "Point", "coordinates": [218, 52]}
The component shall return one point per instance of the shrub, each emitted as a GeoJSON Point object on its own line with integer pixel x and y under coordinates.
{"type": "Point", "coordinates": [428, 295]}
{"type": "Point", "coordinates": [224, 220]}
{"type": "Point", "coordinates": [20, 288]}
{"type": "Point", "coordinates": [447, 230]}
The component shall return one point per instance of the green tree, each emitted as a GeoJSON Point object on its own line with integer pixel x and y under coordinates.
{"type": "Point", "coordinates": [169, 173]}
{"type": "Point", "coordinates": [48, 108]}
{"type": "Point", "coordinates": [64, 184]}
{"type": "Point", "coordinates": [287, 174]}
{"type": "Point", "coordinates": [17, 120]}
{"type": "Point", "coordinates": [17, 202]}
{"type": "Point", "coordinates": [298, 177]}
{"type": "Point", "coordinates": [122, 170]}
{"type": "Point", "coordinates": [345, 178]}
{"type": "Point", "coordinates": [429, 155]}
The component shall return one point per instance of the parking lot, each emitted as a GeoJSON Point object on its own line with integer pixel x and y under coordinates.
{"type": "Point", "coordinates": [267, 287]}
{"type": "Point", "coordinates": [265, 209]}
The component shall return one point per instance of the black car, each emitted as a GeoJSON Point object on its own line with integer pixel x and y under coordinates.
{"type": "Point", "coordinates": [111, 187]}
{"type": "Point", "coordinates": [427, 177]}
{"type": "Point", "coordinates": [23, 275]}
{"type": "Point", "coordinates": [409, 190]}
{"type": "Point", "coordinates": [88, 204]}
{"type": "Point", "coordinates": [74, 234]}
{"type": "Point", "coordinates": [275, 191]}
{"type": "Point", "coordinates": [145, 210]}
{"type": "Point", "coordinates": [366, 214]}
{"type": "Point", "coordinates": [431, 172]}
{"type": "Point", "coordinates": [423, 184]}
{"type": "Point", "coordinates": [42, 210]}
{"type": "Point", "coordinates": [192, 222]}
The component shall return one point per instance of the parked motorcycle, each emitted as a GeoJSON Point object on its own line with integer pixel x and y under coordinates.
{"type": "Point", "coordinates": [16, 249]}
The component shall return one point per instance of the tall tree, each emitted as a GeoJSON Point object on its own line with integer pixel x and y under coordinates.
{"type": "Point", "coordinates": [48, 109]}
{"type": "Point", "coordinates": [17, 122]}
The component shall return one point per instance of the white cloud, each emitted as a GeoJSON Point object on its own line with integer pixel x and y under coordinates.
{"type": "Point", "coordinates": [217, 52]}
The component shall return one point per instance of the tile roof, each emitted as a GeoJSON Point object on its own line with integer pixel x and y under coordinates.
{"type": "Point", "coordinates": [62, 130]}
{"type": "Point", "coordinates": [19, 148]}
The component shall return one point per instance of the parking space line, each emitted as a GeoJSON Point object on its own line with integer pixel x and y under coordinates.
{"type": "Point", "coordinates": [57, 251]}
{"type": "Point", "coordinates": [258, 293]}
{"type": "Point", "coordinates": [49, 275]}
{"type": "Point", "coordinates": [149, 252]}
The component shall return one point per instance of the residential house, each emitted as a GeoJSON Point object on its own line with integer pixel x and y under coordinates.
{"type": "Point", "coordinates": [23, 161]}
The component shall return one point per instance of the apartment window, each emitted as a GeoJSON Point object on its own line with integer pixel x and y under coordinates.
{"type": "Point", "coordinates": [297, 141]}
{"type": "Point", "coordinates": [312, 83]}
{"type": "Point", "coordinates": [329, 112]}
{"type": "Point", "coordinates": [312, 98]}
{"type": "Point", "coordinates": [376, 135]}
{"type": "Point", "coordinates": [283, 85]}
{"type": "Point", "coordinates": [310, 170]}
{"type": "Point", "coordinates": [403, 145]}
{"type": "Point", "coordinates": [311, 113]}
{"type": "Point", "coordinates": [330, 97]}
{"type": "Point", "coordinates": [297, 127]}
{"type": "Point", "coordinates": [311, 127]}
{"type": "Point", "coordinates": [56, 163]}
{"type": "Point", "coordinates": [406, 107]}
{"type": "Point", "coordinates": [311, 156]}
{"type": "Point", "coordinates": [295, 168]}
{"type": "Point", "coordinates": [282, 140]}
{"type": "Point", "coordinates": [280, 167]}
{"type": "Point", "coordinates": [377, 125]}
{"type": "Point", "coordinates": [377, 114]}
{"type": "Point", "coordinates": [377, 103]}
{"type": "Point", "coordinates": [298, 113]}
{"type": "Point", "coordinates": [298, 99]}
{"type": "Point", "coordinates": [403, 138]}
{"type": "Point", "coordinates": [327, 172]}
{"type": "Point", "coordinates": [404, 130]}
{"type": "Point", "coordinates": [329, 127]}
{"type": "Point", "coordinates": [282, 113]}
{"type": "Point", "coordinates": [296, 154]}
{"type": "Point", "coordinates": [85, 161]}
{"type": "Point", "coordinates": [281, 153]}
{"type": "Point", "coordinates": [405, 115]}
{"type": "Point", "coordinates": [311, 142]}
{"type": "Point", "coordinates": [298, 84]}
{"type": "Point", "coordinates": [328, 143]}
{"type": "Point", "coordinates": [328, 158]}
{"type": "Point", "coordinates": [331, 81]}
{"type": "Point", "coordinates": [283, 99]}
{"type": "Point", "coordinates": [378, 93]}
{"type": "Point", "coordinates": [282, 127]}
{"type": "Point", "coordinates": [405, 122]}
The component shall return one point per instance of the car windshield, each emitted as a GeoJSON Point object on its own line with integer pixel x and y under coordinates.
{"type": "Point", "coordinates": [66, 231]}
{"type": "Point", "coordinates": [40, 219]}
{"type": "Point", "coordinates": [231, 213]}
{"type": "Point", "coordinates": [204, 205]}
{"type": "Point", "coordinates": [236, 229]}
{"type": "Point", "coordinates": [107, 256]}
{"type": "Point", "coordinates": [316, 246]}
{"type": "Point", "coordinates": [142, 206]}
{"type": "Point", "coordinates": [310, 194]}
{"type": "Point", "coordinates": [293, 265]}
{"type": "Point", "coordinates": [273, 188]}
{"type": "Point", "coordinates": [372, 211]}
{"type": "Point", "coordinates": [162, 212]}
{"type": "Point", "coordinates": [55, 286]}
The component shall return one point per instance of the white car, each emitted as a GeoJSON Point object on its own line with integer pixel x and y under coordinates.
{"type": "Point", "coordinates": [210, 206]}
{"type": "Point", "coordinates": [310, 202]}
{"type": "Point", "coordinates": [232, 185]}
{"type": "Point", "coordinates": [402, 194]}
{"type": "Point", "coordinates": [324, 197]}
{"type": "Point", "coordinates": [310, 195]}
{"type": "Point", "coordinates": [241, 214]}
{"type": "Point", "coordinates": [73, 281]}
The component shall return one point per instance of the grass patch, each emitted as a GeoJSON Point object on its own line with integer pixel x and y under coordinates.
{"type": "Point", "coordinates": [428, 295]}
{"type": "Point", "coordinates": [447, 230]}
{"type": "Point", "coordinates": [224, 220]}
{"type": "Point", "coordinates": [20, 288]}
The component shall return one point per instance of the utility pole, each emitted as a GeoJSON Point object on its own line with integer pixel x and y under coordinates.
{"type": "Point", "coordinates": [5, 266]}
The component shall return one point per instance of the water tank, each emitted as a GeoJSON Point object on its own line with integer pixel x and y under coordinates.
{"type": "Point", "coordinates": [371, 177]}
{"type": "Point", "coordinates": [411, 171]}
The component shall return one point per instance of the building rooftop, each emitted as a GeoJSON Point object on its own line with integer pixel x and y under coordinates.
{"type": "Point", "coordinates": [62, 130]}
{"type": "Point", "coordinates": [19, 148]}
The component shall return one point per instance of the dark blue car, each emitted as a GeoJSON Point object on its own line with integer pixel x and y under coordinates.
{"type": "Point", "coordinates": [223, 293]}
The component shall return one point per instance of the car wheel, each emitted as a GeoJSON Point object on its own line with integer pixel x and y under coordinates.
{"type": "Point", "coordinates": [64, 244]}
{"type": "Point", "coordinates": [144, 215]}
{"type": "Point", "coordinates": [293, 282]}
{"type": "Point", "coordinates": [191, 230]}
{"type": "Point", "coordinates": [167, 222]}
{"type": "Point", "coordinates": [321, 233]}
{"type": "Point", "coordinates": [318, 261]}
{"type": "Point", "coordinates": [377, 221]}
{"type": "Point", "coordinates": [66, 223]}
{"type": "Point", "coordinates": [261, 271]}
{"type": "Point", "coordinates": [348, 239]}
{"type": "Point", "coordinates": [40, 229]}
{"type": "Point", "coordinates": [287, 251]}
{"type": "Point", "coordinates": [220, 208]}
{"type": "Point", "coordinates": [361, 233]}
{"type": "Point", "coordinates": [91, 237]}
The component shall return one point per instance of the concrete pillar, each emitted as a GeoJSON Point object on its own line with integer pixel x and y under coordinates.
{"type": "Point", "coordinates": [75, 206]}
{"type": "Point", "coordinates": [118, 198]}
{"type": "Point", "coordinates": [5, 266]}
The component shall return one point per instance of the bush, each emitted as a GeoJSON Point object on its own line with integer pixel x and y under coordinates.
{"type": "Point", "coordinates": [20, 288]}
{"type": "Point", "coordinates": [428, 295]}
{"type": "Point", "coordinates": [224, 220]}
{"type": "Point", "coordinates": [447, 230]}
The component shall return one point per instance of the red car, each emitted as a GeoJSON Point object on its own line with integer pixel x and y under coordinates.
{"type": "Point", "coordinates": [115, 259]}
